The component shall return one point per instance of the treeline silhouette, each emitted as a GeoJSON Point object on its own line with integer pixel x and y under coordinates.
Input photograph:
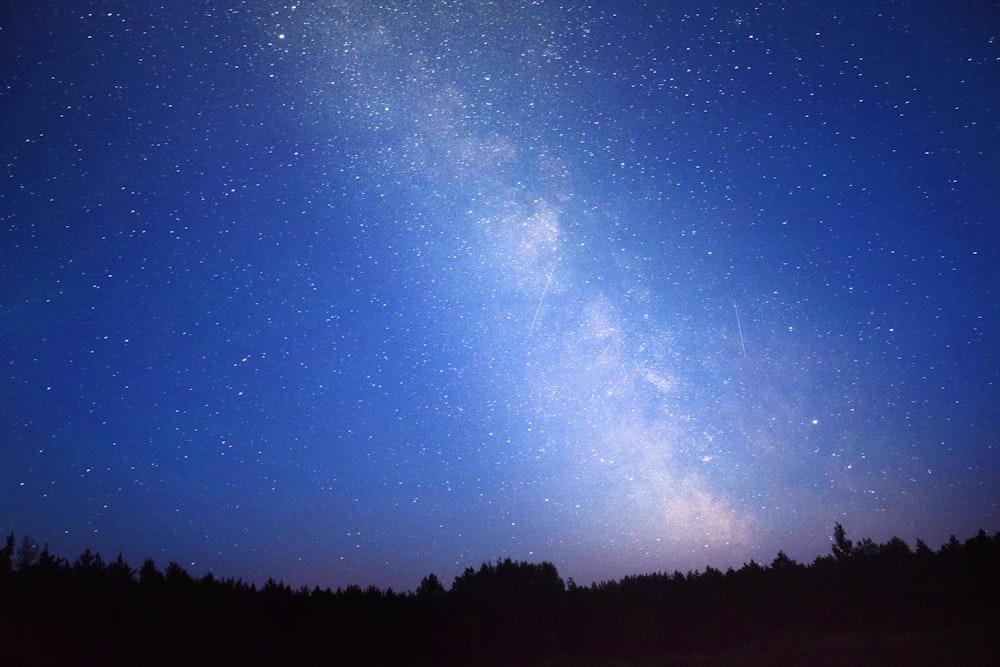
{"type": "Point", "coordinates": [864, 603]}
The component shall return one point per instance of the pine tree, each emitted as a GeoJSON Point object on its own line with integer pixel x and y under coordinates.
{"type": "Point", "coordinates": [842, 547]}
{"type": "Point", "coordinates": [27, 553]}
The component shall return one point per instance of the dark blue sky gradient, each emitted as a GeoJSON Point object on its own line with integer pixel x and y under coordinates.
{"type": "Point", "coordinates": [346, 293]}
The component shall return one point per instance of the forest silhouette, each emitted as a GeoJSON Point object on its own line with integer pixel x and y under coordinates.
{"type": "Point", "coordinates": [864, 603]}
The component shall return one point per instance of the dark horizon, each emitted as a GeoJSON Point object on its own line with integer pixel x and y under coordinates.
{"type": "Point", "coordinates": [864, 601]}
{"type": "Point", "coordinates": [21, 544]}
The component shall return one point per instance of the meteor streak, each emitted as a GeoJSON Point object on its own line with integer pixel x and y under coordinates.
{"type": "Point", "coordinates": [738, 326]}
{"type": "Point", "coordinates": [544, 292]}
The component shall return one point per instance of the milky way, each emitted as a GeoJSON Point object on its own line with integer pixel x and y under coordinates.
{"type": "Point", "coordinates": [345, 293]}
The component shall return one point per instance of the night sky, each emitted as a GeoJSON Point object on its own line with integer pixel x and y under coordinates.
{"type": "Point", "coordinates": [342, 292]}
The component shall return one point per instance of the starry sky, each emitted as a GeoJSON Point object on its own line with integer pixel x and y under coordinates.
{"type": "Point", "coordinates": [345, 292]}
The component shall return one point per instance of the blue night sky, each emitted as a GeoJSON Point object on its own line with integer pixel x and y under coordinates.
{"type": "Point", "coordinates": [346, 292]}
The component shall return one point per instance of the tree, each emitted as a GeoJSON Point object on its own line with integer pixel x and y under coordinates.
{"type": "Point", "coordinates": [148, 575]}
{"type": "Point", "coordinates": [509, 582]}
{"type": "Point", "coordinates": [430, 587]}
{"type": "Point", "coordinates": [866, 548]}
{"type": "Point", "coordinates": [177, 576]}
{"type": "Point", "coordinates": [922, 551]}
{"type": "Point", "coordinates": [782, 562]}
{"type": "Point", "coordinates": [27, 553]}
{"type": "Point", "coordinates": [952, 546]}
{"type": "Point", "coordinates": [120, 572]}
{"type": "Point", "coordinates": [896, 550]}
{"type": "Point", "coordinates": [842, 547]}
{"type": "Point", "coordinates": [49, 564]}
{"type": "Point", "coordinates": [277, 589]}
{"type": "Point", "coordinates": [7, 556]}
{"type": "Point", "coordinates": [89, 564]}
